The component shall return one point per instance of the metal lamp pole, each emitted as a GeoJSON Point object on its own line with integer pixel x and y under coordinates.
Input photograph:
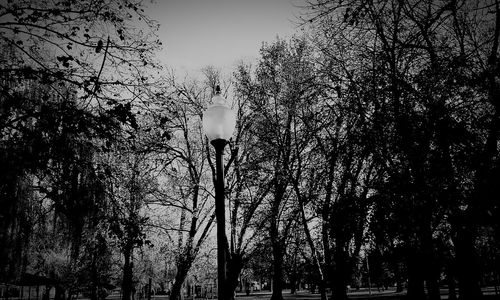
{"type": "Point", "coordinates": [220, 216]}
{"type": "Point", "coordinates": [219, 122]}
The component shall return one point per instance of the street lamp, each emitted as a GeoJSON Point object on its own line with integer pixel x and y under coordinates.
{"type": "Point", "coordinates": [218, 123]}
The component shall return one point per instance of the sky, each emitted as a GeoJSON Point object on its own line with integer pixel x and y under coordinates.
{"type": "Point", "coordinates": [198, 33]}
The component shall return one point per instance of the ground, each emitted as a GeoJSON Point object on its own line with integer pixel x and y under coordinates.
{"type": "Point", "coordinates": [358, 295]}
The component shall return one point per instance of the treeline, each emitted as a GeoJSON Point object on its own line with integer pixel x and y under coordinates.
{"type": "Point", "coordinates": [372, 137]}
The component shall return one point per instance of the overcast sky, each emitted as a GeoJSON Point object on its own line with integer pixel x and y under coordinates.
{"type": "Point", "coordinates": [197, 33]}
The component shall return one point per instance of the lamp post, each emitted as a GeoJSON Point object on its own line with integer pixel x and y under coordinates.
{"type": "Point", "coordinates": [218, 124]}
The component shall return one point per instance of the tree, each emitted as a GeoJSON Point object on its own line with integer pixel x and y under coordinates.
{"type": "Point", "coordinates": [61, 105]}
{"type": "Point", "coordinates": [275, 96]}
{"type": "Point", "coordinates": [187, 194]}
{"type": "Point", "coordinates": [247, 186]}
{"type": "Point", "coordinates": [134, 181]}
{"type": "Point", "coordinates": [423, 106]}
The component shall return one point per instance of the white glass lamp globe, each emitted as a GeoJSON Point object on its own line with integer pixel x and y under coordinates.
{"type": "Point", "coordinates": [219, 120]}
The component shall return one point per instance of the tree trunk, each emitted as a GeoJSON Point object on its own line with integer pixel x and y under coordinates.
{"type": "Point", "coordinates": [433, 266]}
{"type": "Point", "coordinates": [316, 262]}
{"type": "Point", "coordinates": [467, 265]}
{"type": "Point", "coordinates": [416, 290]}
{"type": "Point", "coordinates": [340, 273]}
{"type": "Point", "coordinates": [317, 266]}
{"type": "Point", "coordinates": [127, 273]}
{"type": "Point", "coordinates": [59, 293]}
{"type": "Point", "coordinates": [276, 243]}
{"type": "Point", "coordinates": [277, 284]}
{"type": "Point", "coordinates": [182, 271]}
{"type": "Point", "coordinates": [329, 268]}
{"type": "Point", "coordinates": [94, 295]}
{"type": "Point", "coordinates": [293, 283]}
{"type": "Point", "coordinates": [235, 264]}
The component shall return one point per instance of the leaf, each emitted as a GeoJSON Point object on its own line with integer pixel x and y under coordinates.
{"type": "Point", "coordinates": [65, 60]}
{"type": "Point", "coordinates": [120, 34]}
{"type": "Point", "coordinates": [166, 135]}
{"type": "Point", "coordinates": [99, 46]}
